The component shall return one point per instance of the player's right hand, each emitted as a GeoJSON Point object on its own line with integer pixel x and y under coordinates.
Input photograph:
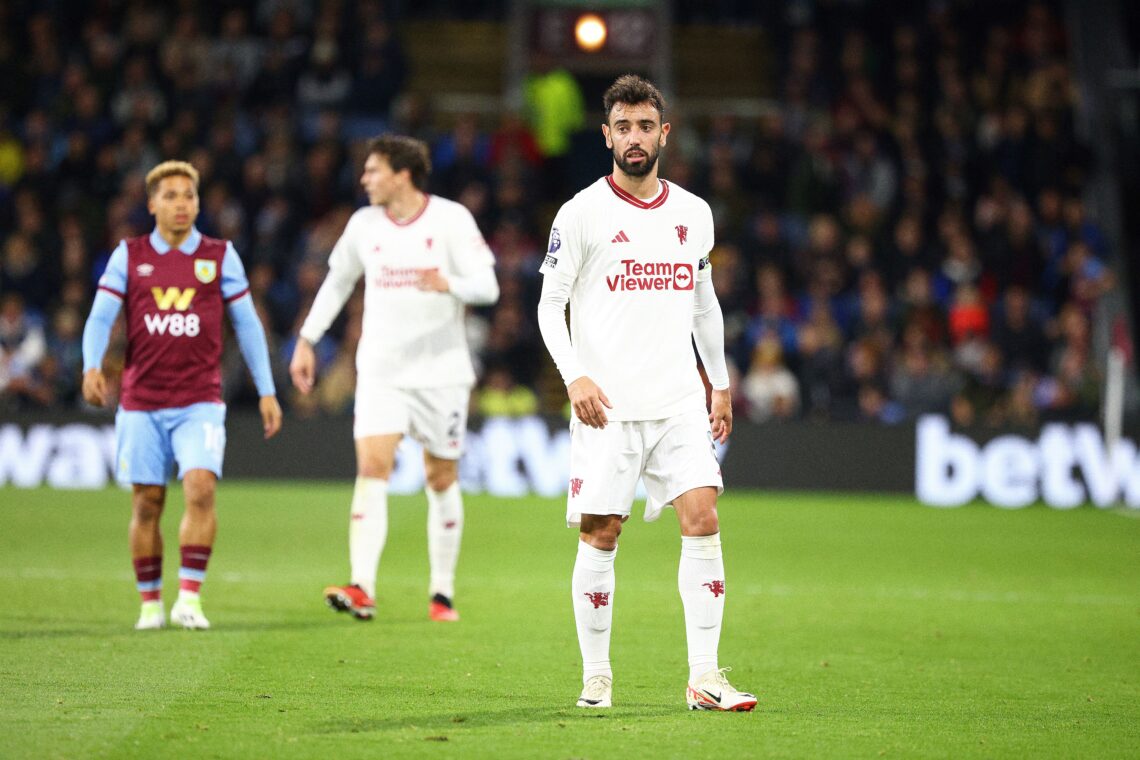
{"type": "Point", "coordinates": [95, 387]}
{"type": "Point", "coordinates": [589, 402]}
{"type": "Point", "coordinates": [303, 366]}
{"type": "Point", "coordinates": [270, 415]}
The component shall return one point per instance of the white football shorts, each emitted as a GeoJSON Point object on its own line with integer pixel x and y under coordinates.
{"type": "Point", "coordinates": [436, 417]}
{"type": "Point", "coordinates": [672, 456]}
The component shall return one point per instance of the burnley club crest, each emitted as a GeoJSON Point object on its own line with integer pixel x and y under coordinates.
{"type": "Point", "coordinates": [206, 270]}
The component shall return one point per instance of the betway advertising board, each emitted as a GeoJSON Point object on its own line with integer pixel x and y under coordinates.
{"type": "Point", "coordinates": [1065, 466]}
{"type": "Point", "coordinates": [1061, 465]}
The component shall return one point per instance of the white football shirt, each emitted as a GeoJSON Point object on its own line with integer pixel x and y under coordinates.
{"type": "Point", "coordinates": [410, 338]}
{"type": "Point", "coordinates": [633, 265]}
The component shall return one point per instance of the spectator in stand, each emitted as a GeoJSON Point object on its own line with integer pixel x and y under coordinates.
{"type": "Point", "coordinates": [325, 84]}
{"type": "Point", "coordinates": [1087, 277]}
{"type": "Point", "coordinates": [982, 399]}
{"type": "Point", "coordinates": [1018, 334]}
{"type": "Point", "coordinates": [770, 389]}
{"type": "Point", "coordinates": [381, 71]}
{"type": "Point", "coordinates": [934, 153]}
{"type": "Point", "coordinates": [23, 345]}
{"type": "Point", "coordinates": [774, 309]}
{"type": "Point", "coordinates": [922, 380]}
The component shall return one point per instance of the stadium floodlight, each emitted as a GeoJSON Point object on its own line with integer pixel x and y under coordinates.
{"type": "Point", "coordinates": [590, 38]}
{"type": "Point", "coordinates": [590, 32]}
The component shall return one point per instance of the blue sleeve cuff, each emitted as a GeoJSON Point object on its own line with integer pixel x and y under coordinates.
{"type": "Point", "coordinates": [114, 277]}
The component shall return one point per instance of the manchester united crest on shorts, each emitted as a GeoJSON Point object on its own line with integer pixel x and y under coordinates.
{"type": "Point", "coordinates": [206, 270]}
{"type": "Point", "coordinates": [575, 487]}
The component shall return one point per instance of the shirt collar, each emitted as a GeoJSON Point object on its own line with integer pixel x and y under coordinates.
{"type": "Point", "coordinates": [189, 245]}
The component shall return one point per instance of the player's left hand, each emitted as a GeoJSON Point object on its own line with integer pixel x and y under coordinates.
{"type": "Point", "coordinates": [720, 416]}
{"type": "Point", "coordinates": [270, 415]}
{"type": "Point", "coordinates": [432, 280]}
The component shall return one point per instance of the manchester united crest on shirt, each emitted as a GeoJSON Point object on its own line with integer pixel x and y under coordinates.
{"type": "Point", "coordinates": [206, 270]}
{"type": "Point", "coordinates": [682, 233]}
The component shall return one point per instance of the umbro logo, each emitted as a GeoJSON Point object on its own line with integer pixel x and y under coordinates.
{"type": "Point", "coordinates": [621, 237]}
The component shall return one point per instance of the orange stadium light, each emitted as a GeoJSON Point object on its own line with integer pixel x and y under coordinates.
{"type": "Point", "coordinates": [590, 32]}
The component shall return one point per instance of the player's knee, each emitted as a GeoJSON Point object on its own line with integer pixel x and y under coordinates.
{"type": "Point", "coordinates": [200, 501]}
{"type": "Point", "coordinates": [200, 487]}
{"type": "Point", "coordinates": [441, 477]}
{"type": "Point", "coordinates": [702, 522]}
{"type": "Point", "coordinates": [147, 507]}
{"type": "Point", "coordinates": [440, 482]}
{"type": "Point", "coordinates": [601, 531]}
{"type": "Point", "coordinates": [147, 503]}
{"type": "Point", "coordinates": [374, 468]}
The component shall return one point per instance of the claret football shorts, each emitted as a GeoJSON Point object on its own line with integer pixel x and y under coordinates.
{"type": "Point", "coordinates": [672, 456]}
{"type": "Point", "coordinates": [436, 417]}
{"type": "Point", "coordinates": [148, 444]}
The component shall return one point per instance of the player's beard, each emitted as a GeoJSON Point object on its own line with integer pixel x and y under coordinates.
{"type": "Point", "coordinates": [637, 170]}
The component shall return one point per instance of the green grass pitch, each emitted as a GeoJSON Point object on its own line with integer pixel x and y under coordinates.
{"type": "Point", "coordinates": [867, 626]}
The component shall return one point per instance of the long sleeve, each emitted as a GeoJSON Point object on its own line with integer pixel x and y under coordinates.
{"type": "Point", "coordinates": [477, 288]}
{"type": "Point", "coordinates": [97, 331]}
{"type": "Point", "coordinates": [251, 341]}
{"type": "Point", "coordinates": [345, 269]}
{"type": "Point", "coordinates": [708, 332]}
{"type": "Point", "coordinates": [552, 325]}
{"type": "Point", "coordinates": [471, 275]}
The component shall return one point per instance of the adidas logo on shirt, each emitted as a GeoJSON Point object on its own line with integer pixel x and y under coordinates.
{"type": "Point", "coordinates": [621, 237]}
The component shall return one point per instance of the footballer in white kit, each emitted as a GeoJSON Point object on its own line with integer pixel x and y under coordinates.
{"type": "Point", "coordinates": [630, 254]}
{"type": "Point", "coordinates": [635, 267]}
{"type": "Point", "coordinates": [423, 261]}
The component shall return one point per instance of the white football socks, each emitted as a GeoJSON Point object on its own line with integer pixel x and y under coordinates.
{"type": "Point", "coordinates": [593, 591]}
{"type": "Point", "coordinates": [700, 579]}
{"type": "Point", "coordinates": [444, 530]}
{"type": "Point", "coordinates": [367, 531]}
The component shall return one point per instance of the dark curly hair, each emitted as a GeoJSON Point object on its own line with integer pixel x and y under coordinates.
{"type": "Point", "coordinates": [404, 153]}
{"type": "Point", "coordinates": [631, 89]}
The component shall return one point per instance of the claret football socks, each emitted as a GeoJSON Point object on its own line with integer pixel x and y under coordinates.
{"type": "Point", "coordinates": [192, 571]}
{"type": "Point", "coordinates": [148, 577]}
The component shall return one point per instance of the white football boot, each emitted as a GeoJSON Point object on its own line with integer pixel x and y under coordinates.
{"type": "Point", "coordinates": [712, 691]}
{"type": "Point", "coordinates": [187, 613]}
{"type": "Point", "coordinates": [597, 692]}
{"type": "Point", "coordinates": [151, 617]}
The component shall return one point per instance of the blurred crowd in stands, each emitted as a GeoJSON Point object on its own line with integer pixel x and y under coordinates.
{"type": "Point", "coordinates": [900, 231]}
